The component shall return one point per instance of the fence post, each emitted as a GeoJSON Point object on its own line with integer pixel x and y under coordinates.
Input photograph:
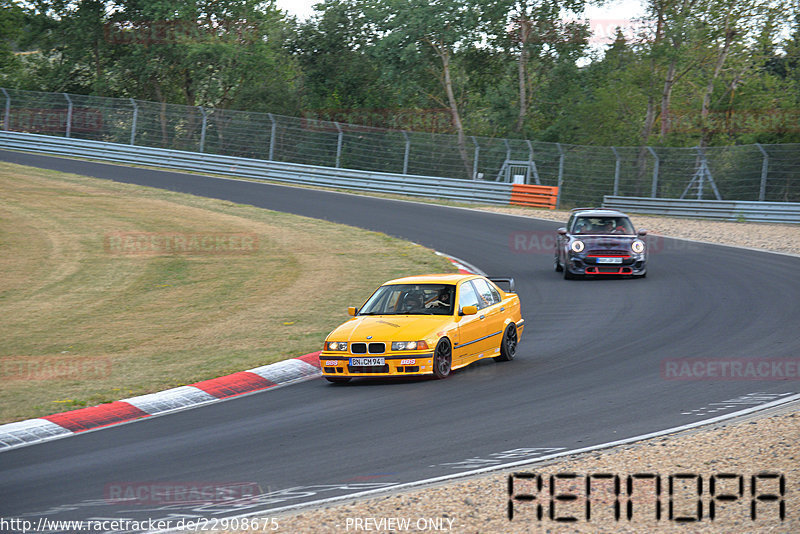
{"type": "Point", "coordinates": [7, 115]}
{"type": "Point", "coordinates": [338, 146]}
{"type": "Point", "coordinates": [762, 192]}
{"type": "Point", "coordinates": [475, 158]}
{"type": "Point", "coordinates": [616, 171]}
{"type": "Point", "coordinates": [560, 174]}
{"type": "Point", "coordinates": [273, 130]}
{"type": "Point", "coordinates": [408, 150]}
{"type": "Point", "coordinates": [135, 118]}
{"type": "Point", "coordinates": [655, 173]}
{"type": "Point", "coordinates": [203, 129]}
{"type": "Point", "coordinates": [532, 164]}
{"type": "Point", "coordinates": [69, 114]}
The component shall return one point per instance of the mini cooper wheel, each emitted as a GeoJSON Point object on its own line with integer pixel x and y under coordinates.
{"type": "Point", "coordinates": [508, 346]}
{"type": "Point", "coordinates": [568, 275]}
{"type": "Point", "coordinates": [442, 359]}
{"type": "Point", "coordinates": [338, 379]}
{"type": "Point", "coordinates": [557, 265]}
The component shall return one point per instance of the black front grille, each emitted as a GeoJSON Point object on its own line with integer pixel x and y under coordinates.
{"type": "Point", "coordinates": [368, 368]}
{"type": "Point", "coordinates": [607, 253]}
{"type": "Point", "coordinates": [362, 348]}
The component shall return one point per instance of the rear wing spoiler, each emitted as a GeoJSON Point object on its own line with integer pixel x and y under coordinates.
{"type": "Point", "coordinates": [509, 281]}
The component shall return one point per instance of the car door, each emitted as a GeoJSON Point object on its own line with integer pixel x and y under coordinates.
{"type": "Point", "coordinates": [470, 327]}
{"type": "Point", "coordinates": [490, 311]}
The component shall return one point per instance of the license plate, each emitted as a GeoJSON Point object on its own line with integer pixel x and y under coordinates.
{"type": "Point", "coordinates": [366, 362]}
{"type": "Point", "coordinates": [609, 260]}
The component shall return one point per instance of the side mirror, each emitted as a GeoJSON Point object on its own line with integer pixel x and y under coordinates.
{"type": "Point", "coordinates": [352, 310]}
{"type": "Point", "coordinates": [642, 232]}
{"type": "Point", "coordinates": [469, 310]}
{"type": "Point", "coordinates": [562, 231]}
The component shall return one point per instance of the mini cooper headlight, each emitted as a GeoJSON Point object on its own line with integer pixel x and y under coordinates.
{"type": "Point", "coordinates": [337, 345]}
{"type": "Point", "coordinates": [409, 345]}
{"type": "Point", "coordinates": [577, 246]}
{"type": "Point", "coordinates": [637, 246]}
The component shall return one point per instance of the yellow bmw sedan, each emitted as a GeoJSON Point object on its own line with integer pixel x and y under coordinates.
{"type": "Point", "coordinates": [425, 325]}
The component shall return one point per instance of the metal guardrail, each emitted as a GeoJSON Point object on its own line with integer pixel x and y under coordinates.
{"type": "Point", "coordinates": [771, 212]}
{"type": "Point", "coordinates": [422, 186]}
{"type": "Point", "coordinates": [378, 182]}
{"type": "Point", "coordinates": [582, 173]}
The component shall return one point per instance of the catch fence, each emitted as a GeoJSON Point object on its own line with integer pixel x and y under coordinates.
{"type": "Point", "coordinates": [584, 174]}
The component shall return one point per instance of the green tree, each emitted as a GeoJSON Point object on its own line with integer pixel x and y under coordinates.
{"type": "Point", "coordinates": [12, 18]}
{"type": "Point", "coordinates": [542, 38]}
{"type": "Point", "coordinates": [430, 34]}
{"type": "Point", "coordinates": [338, 69]}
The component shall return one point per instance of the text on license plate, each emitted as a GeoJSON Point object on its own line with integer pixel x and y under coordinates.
{"type": "Point", "coordinates": [609, 260]}
{"type": "Point", "coordinates": [366, 362]}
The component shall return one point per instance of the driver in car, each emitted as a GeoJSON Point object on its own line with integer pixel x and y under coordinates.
{"type": "Point", "coordinates": [442, 300]}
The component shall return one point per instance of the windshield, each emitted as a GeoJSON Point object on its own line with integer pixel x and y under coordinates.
{"type": "Point", "coordinates": [411, 299]}
{"type": "Point", "coordinates": [602, 225]}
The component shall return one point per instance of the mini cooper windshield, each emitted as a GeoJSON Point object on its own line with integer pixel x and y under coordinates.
{"type": "Point", "coordinates": [602, 225]}
{"type": "Point", "coordinates": [411, 299]}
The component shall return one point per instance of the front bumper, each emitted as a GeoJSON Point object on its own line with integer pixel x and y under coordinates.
{"type": "Point", "coordinates": [335, 364]}
{"type": "Point", "coordinates": [633, 265]}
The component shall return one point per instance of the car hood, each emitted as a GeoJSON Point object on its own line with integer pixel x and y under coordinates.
{"type": "Point", "coordinates": [390, 328]}
{"type": "Point", "coordinates": [607, 242]}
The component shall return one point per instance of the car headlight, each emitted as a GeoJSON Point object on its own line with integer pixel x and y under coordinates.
{"type": "Point", "coordinates": [577, 246]}
{"type": "Point", "coordinates": [336, 345]}
{"type": "Point", "coordinates": [409, 345]}
{"type": "Point", "coordinates": [637, 246]}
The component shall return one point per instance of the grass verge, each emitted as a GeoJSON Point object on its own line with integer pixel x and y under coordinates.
{"type": "Point", "coordinates": [113, 290]}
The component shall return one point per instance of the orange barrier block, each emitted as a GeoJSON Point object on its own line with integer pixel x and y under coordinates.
{"type": "Point", "coordinates": [538, 196]}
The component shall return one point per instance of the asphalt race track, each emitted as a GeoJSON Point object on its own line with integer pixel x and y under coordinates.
{"type": "Point", "coordinates": [588, 371]}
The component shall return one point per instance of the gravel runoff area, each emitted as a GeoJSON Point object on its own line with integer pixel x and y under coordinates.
{"type": "Point", "coordinates": [765, 445]}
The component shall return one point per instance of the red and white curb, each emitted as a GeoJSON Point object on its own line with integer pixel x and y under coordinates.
{"type": "Point", "coordinates": [59, 425]}
{"type": "Point", "coordinates": [462, 266]}
{"type": "Point", "coordinates": [22, 433]}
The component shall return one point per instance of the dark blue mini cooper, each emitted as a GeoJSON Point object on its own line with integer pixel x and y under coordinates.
{"type": "Point", "coordinates": [600, 241]}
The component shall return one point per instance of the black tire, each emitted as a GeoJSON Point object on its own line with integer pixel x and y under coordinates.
{"type": "Point", "coordinates": [568, 275]}
{"type": "Point", "coordinates": [338, 379]}
{"type": "Point", "coordinates": [442, 359]}
{"type": "Point", "coordinates": [557, 265]}
{"type": "Point", "coordinates": [508, 345]}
